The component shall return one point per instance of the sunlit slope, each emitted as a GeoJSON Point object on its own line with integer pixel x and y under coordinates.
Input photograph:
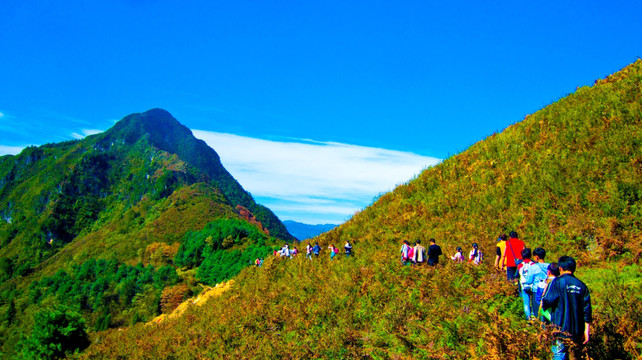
{"type": "Point", "coordinates": [565, 178]}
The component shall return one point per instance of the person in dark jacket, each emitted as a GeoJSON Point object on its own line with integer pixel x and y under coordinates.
{"type": "Point", "coordinates": [434, 251]}
{"type": "Point", "coordinates": [348, 248]}
{"type": "Point", "coordinates": [571, 313]}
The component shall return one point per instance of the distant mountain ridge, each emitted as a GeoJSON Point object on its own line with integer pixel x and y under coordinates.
{"type": "Point", "coordinates": [303, 231]}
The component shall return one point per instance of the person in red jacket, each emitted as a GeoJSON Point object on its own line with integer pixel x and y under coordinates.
{"type": "Point", "coordinates": [513, 256]}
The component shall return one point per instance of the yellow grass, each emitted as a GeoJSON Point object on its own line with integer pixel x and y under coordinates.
{"type": "Point", "coordinates": [208, 293]}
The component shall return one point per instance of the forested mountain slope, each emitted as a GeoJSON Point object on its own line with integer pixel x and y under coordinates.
{"type": "Point", "coordinates": [101, 225]}
{"type": "Point", "coordinates": [566, 178]}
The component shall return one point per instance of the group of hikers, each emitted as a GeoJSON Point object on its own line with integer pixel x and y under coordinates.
{"type": "Point", "coordinates": [475, 256]}
{"type": "Point", "coordinates": [310, 251]}
{"type": "Point", "coordinates": [550, 292]}
{"type": "Point", "coordinates": [418, 254]}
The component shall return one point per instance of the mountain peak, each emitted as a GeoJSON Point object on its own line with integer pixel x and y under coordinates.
{"type": "Point", "coordinates": [161, 130]}
{"type": "Point", "coordinates": [161, 127]}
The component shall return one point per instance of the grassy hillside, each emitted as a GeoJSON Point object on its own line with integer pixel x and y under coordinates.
{"type": "Point", "coordinates": [566, 178]}
{"type": "Point", "coordinates": [96, 225]}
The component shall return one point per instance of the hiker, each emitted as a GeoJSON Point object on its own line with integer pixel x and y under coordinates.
{"type": "Point", "coordinates": [333, 251]}
{"type": "Point", "coordinates": [261, 262]}
{"type": "Point", "coordinates": [404, 252]}
{"type": "Point", "coordinates": [475, 255]}
{"type": "Point", "coordinates": [348, 248]}
{"type": "Point", "coordinates": [552, 272]}
{"type": "Point", "coordinates": [308, 251]}
{"type": "Point", "coordinates": [536, 278]}
{"type": "Point", "coordinates": [316, 249]}
{"type": "Point", "coordinates": [257, 262]}
{"type": "Point", "coordinates": [420, 253]}
{"type": "Point", "coordinates": [513, 256]}
{"type": "Point", "coordinates": [434, 251]}
{"type": "Point", "coordinates": [411, 254]}
{"type": "Point", "coordinates": [459, 255]}
{"type": "Point", "coordinates": [523, 269]}
{"type": "Point", "coordinates": [499, 252]}
{"type": "Point", "coordinates": [571, 313]}
{"type": "Point", "coordinates": [294, 252]}
{"type": "Point", "coordinates": [285, 251]}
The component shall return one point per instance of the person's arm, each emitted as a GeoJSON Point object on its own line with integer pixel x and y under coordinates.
{"type": "Point", "coordinates": [498, 253]}
{"type": "Point", "coordinates": [588, 315]}
{"type": "Point", "coordinates": [587, 327]}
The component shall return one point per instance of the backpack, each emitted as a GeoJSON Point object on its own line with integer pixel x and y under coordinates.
{"type": "Point", "coordinates": [477, 259]}
{"type": "Point", "coordinates": [411, 253]}
{"type": "Point", "coordinates": [420, 254]}
{"type": "Point", "coordinates": [523, 269]}
{"type": "Point", "coordinates": [404, 251]}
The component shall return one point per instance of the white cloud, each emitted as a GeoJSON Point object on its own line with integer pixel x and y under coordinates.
{"type": "Point", "coordinates": [10, 150]}
{"type": "Point", "coordinates": [313, 182]}
{"type": "Point", "coordinates": [85, 133]}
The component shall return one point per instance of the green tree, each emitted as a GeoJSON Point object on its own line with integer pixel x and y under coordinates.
{"type": "Point", "coordinates": [10, 315]}
{"type": "Point", "coordinates": [55, 334]}
{"type": "Point", "coordinates": [6, 268]}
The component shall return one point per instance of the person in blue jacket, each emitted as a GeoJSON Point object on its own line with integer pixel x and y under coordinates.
{"type": "Point", "coordinates": [316, 249]}
{"type": "Point", "coordinates": [536, 277]}
{"type": "Point", "coordinates": [571, 312]}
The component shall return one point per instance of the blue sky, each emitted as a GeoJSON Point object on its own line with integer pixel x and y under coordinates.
{"type": "Point", "coordinates": [361, 84]}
